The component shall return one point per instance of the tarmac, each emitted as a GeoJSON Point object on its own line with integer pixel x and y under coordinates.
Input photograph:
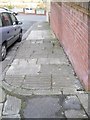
{"type": "Point", "coordinates": [41, 68]}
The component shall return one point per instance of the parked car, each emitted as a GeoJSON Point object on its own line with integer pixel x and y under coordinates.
{"type": "Point", "coordinates": [10, 31]}
{"type": "Point", "coordinates": [14, 12]}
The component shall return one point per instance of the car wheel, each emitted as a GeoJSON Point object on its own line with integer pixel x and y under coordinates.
{"type": "Point", "coordinates": [3, 52]}
{"type": "Point", "coordinates": [20, 37]}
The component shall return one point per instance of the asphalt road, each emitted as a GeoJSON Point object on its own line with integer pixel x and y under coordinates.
{"type": "Point", "coordinates": [28, 21]}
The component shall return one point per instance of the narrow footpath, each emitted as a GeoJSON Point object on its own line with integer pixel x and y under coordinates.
{"type": "Point", "coordinates": [41, 82]}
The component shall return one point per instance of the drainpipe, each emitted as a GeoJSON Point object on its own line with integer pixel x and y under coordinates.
{"type": "Point", "coordinates": [47, 9]}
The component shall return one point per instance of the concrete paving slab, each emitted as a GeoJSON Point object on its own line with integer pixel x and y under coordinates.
{"type": "Point", "coordinates": [40, 34]}
{"type": "Point", "coordinates": [12, 106]}
{"type": "Point", "coordinates": [50, 61]}
{"type": "Point", "coordinates": [72, 102]}
{"type": "Point", "coordinates": [80, 114]}
{"type": "Point", "coordinates": [56, 106]}
{"type": "Point", "coordinates": [23, 67]}
{"type": "Point", "coordinates": [56, 69]}
{"type": "Point", "coordinates": [84, 101]}
{"type": "Point", "coordinates": [57, 81]}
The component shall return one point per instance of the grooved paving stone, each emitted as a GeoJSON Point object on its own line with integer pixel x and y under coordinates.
{"type": "Point", "coordinates": [37, 82]}
{"type": "Point", "coordinates": [23, 92]}
{"type": "Point", "coordinates": [7, 86]}
{"type": "Point", "coordinates": [23, 67]}
{"type": "Point", "coordinates": [14, 80]}
{"type": "Point", "coordinates": [57, 81]}
{"type": "Point", "coordinates": [12, 106]}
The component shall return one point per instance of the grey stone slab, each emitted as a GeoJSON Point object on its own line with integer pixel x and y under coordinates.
{"type": "Point", "coordinates": [43, 107]}
{"type": "Point", "coordinates": [72, 102]}
{"type": "Point", "coordinates": [23, 67]}
{"type": "Point", "coordinates": [12, 106]}
{"type": "Point", "coordinates": [75, 114]}
{"type": "Point", "coordinates": [84, 101]}
{"type": "Point", "coordinates": [1, 107]}
{"type": "Point", "coordinates": [37, 82]}
{"type": "Point", "coordinates": [2, 95]}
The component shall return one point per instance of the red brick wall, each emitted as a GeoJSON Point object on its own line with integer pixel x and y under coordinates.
{"type": "Point", "coordinates": [71, 28]}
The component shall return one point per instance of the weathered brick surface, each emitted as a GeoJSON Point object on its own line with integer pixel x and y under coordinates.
{"type": "Point", "coordinates": [72, 29]}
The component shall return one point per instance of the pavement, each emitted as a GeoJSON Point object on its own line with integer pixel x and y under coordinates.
{"type": "Point", "coordinates": [41, 82]}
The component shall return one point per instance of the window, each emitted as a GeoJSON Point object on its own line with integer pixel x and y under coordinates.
{"type": "Point", "coordinates": [0, 22]}
{"type": "Point", "coordinates": [13, 18]}
{"type": "Point", "coordinates": [6, 20]}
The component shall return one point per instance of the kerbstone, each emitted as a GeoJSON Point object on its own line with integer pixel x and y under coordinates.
{"type": "Point", "coordinates": [2, 95]}
{"type": "Point", "coordinates": [12, 106]}
{"type": "Point", "coordinates": [12, 116]}
{"type": "Point", "coordinates": [1, 106]}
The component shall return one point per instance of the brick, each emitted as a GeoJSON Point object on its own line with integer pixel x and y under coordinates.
{"type": "Point", "coordinates": [71, 28]}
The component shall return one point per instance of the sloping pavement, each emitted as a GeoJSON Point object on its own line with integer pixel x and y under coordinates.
{"type": "Point", "coordinates": [42, 68]}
